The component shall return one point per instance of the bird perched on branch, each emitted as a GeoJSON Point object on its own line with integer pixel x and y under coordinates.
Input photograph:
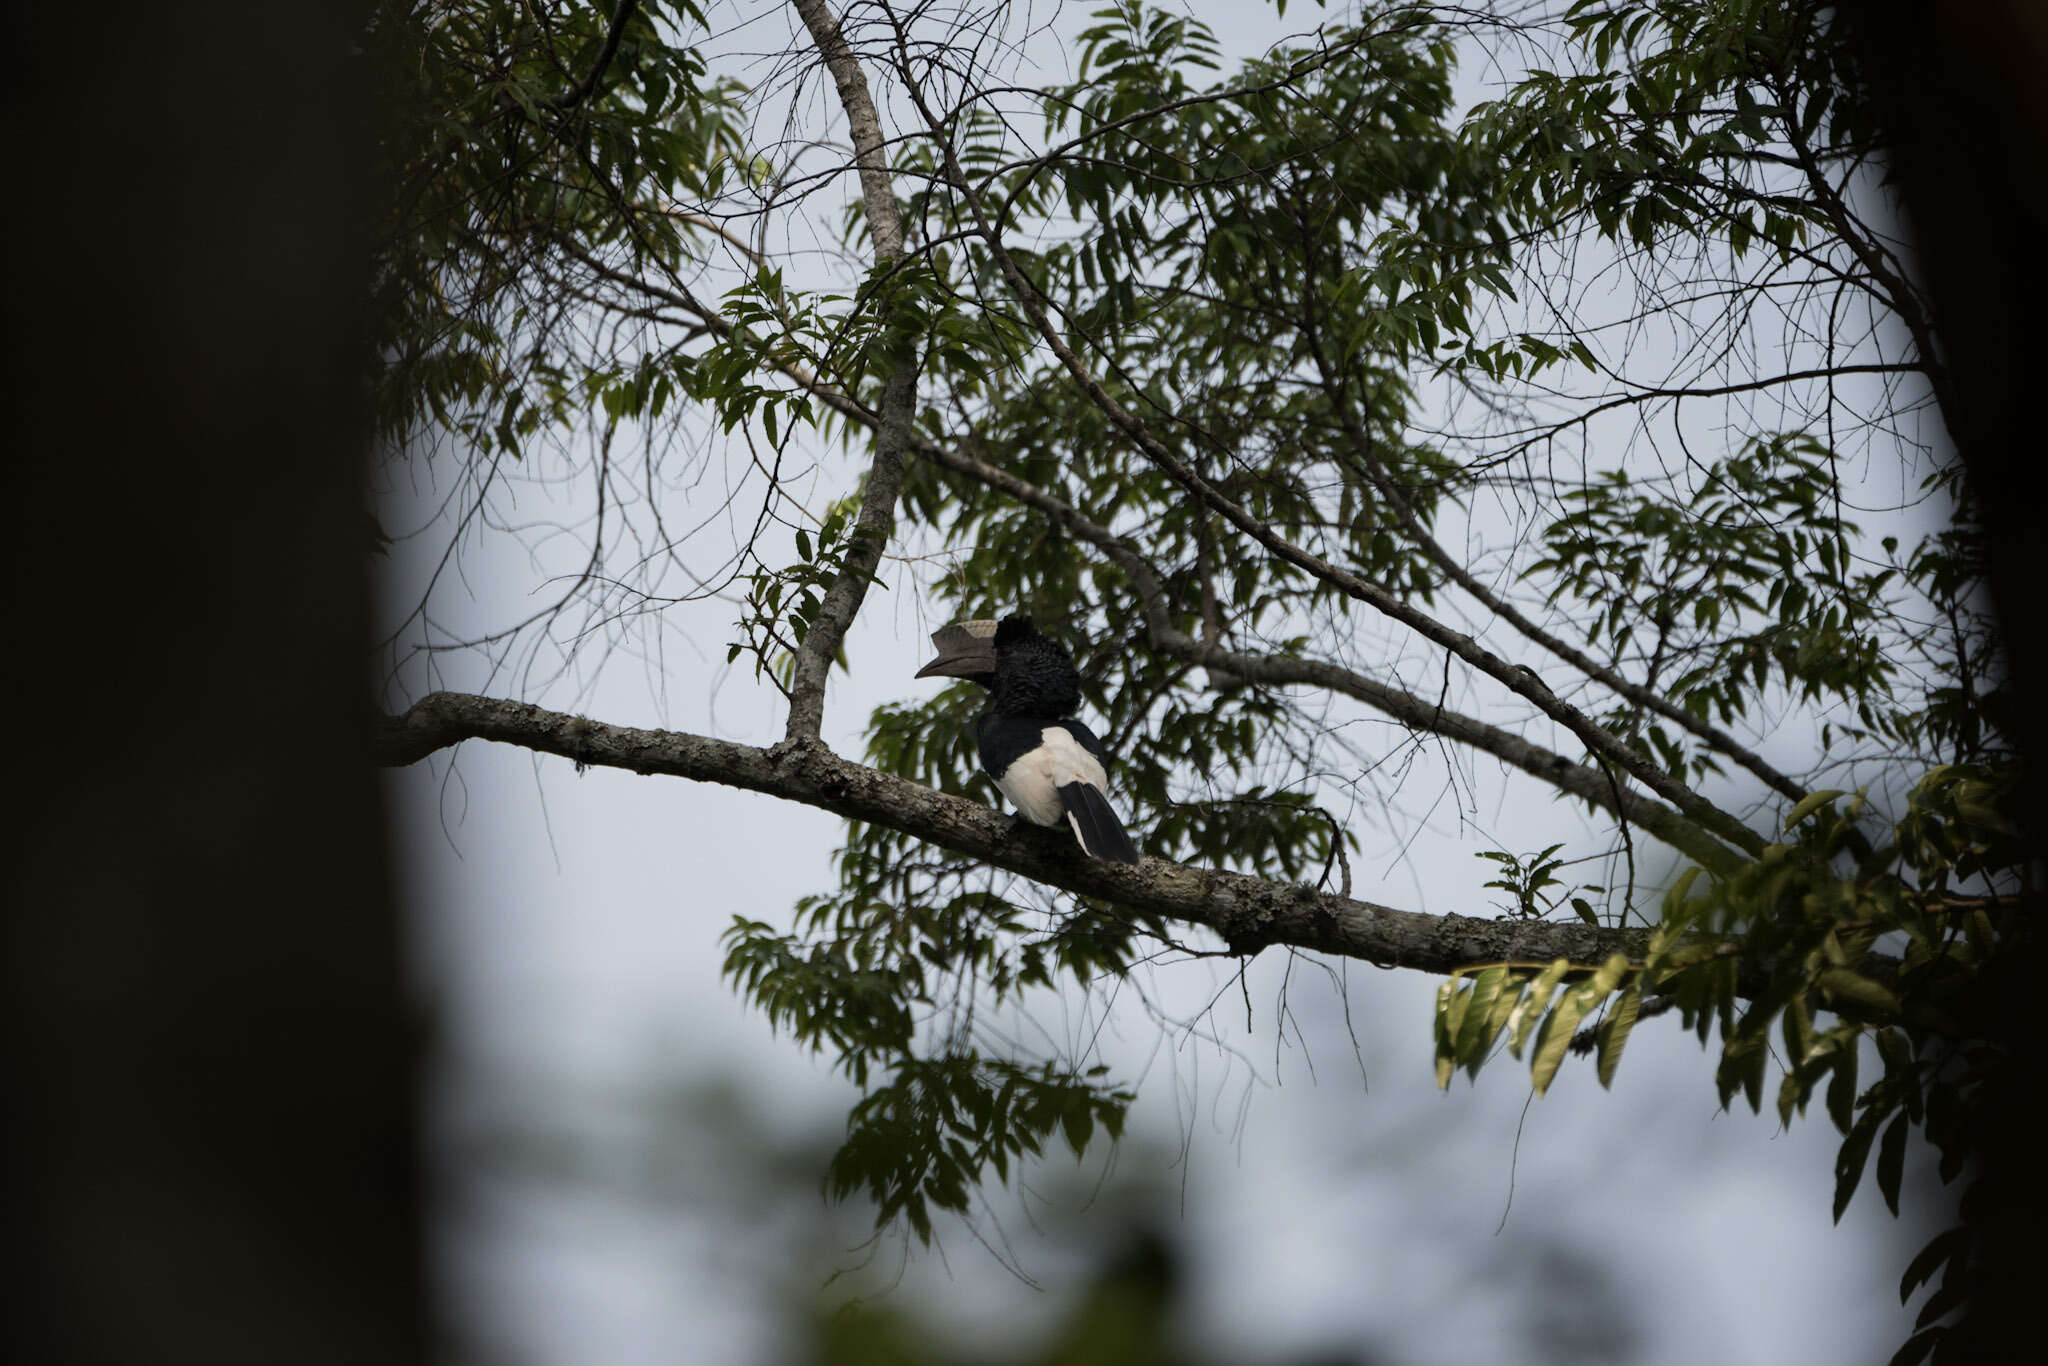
{"type": "Point", "coordinates": [1050, 766]}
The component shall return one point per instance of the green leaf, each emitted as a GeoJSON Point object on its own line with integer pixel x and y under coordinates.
{"type": "Point", "coordinates": [1891, 1162]}
{"type": "Point", "coordinates": [1916, 1347]}
{"type": "Point", "coordinates": [1552, 1040]}
{"type": "Point", "coordinates": [1812, 803]}
{"type": "Point", "coordinates": [1447, 997]}
{"type": "Point", "coordinates": [1607, 977]}
{"type": "Point", "coordinates": [1478, 1008]}
{"type": "Point", "coordinates": [1895, 1051]}
{"type": "Point", "coordinates": [1614, 1033]}
{"type": "Point", "coordinates": [1742, 1068]}
{"type": "Point", "coordinates": [1855, 1151]}
{"type": "Point", "coordinates": [1929, 1259]}
{"type": "Point", "coordinates": [920, 1220]}
{"type": "Point", "coordinates": [1944, 1301]}
{"type": "Point", "coordinates": [1556, 1036]}
{"type": "Point", "coordinates": [1530, 1008]}
{"type": "Point", "coordinates": [1843, 984]}
{"type": "Point", "coordinates": [1078, 1124]}
{"type": "Point", "coordinates": [1842, 1087]}
{"type": "Point", "coordinates": [1790, 1090]}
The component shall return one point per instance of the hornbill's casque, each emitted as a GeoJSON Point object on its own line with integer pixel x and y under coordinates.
{"type": "Point", "coordinates": [1050, 766]}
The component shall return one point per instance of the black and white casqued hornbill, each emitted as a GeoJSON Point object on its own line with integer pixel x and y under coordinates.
{"type": "Point", "coordinates": [1050, 766]}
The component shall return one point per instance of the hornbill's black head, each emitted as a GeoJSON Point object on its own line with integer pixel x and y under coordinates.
{"type": "Point", "coordinates": [1026, 673]}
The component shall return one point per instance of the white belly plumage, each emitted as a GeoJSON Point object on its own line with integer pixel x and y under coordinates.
{"type": "Point", "coordinates": [1033, 783]}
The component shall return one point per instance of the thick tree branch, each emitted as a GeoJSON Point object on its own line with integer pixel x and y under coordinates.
{"type": "Point", "coordinates": [1248, 912]}
{"type": "Point", "coordinates": [898, 406]}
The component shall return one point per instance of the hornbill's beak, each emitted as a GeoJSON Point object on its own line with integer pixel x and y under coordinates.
{"type": "Point", "coordinates": [967, 649]}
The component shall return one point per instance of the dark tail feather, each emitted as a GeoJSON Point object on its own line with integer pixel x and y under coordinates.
{"type": "Point", "coordinates": [1095, 825]}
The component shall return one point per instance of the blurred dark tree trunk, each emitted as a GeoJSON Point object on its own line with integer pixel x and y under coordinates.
{"type": "Point", "coordinates": [209, 1050]}
{"type": "Point", "coordinates": [1963, 91]}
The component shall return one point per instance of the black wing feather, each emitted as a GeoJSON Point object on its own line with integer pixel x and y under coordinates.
{"type": "Point", "coordinates": [1095, 825]}
{"type": "Point", "coordinates": [1003, 740]}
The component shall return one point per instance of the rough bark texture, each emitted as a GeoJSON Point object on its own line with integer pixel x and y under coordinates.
{"type": "Point", "coordinates": [208, 1045]}
{"type": "Point", "coordinates": [898, 405]}
{"type": "Point", "coordinates": [1248, 912]}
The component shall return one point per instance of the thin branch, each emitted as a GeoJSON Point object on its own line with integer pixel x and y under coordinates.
{"type": "Point", "coordinates": [1906, 302]}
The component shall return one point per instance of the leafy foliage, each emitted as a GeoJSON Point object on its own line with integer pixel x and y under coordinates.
{"type": "Point", "coordinates": [1747, 584]}
{"type": "Point", "coordinates": [1528, 881]}
{"type": "Point", "coordinates": [534, 166]}
{"type": "Point", "coordinates": [1784, 947]}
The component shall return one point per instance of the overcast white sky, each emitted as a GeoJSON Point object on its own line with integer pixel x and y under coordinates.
{"type": "Point", "coordinates": [569, 931]}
